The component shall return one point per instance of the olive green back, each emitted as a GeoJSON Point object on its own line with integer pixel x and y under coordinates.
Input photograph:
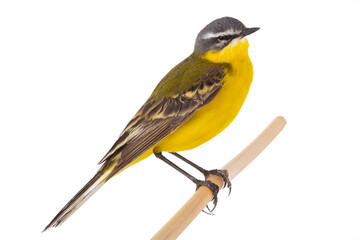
{"type": "Point", "coordinates": [183, 76]}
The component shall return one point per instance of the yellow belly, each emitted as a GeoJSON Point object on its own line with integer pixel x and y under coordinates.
{"type": "Point", "coordinates": [210, 120]}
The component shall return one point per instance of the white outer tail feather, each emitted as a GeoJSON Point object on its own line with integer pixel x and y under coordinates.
{"type": "Point", "coordinates": [68, 210]}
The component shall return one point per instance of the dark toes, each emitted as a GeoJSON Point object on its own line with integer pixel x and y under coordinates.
{"type": "Point", "coordinates": [223, 174]}
{"type": "Point", "coordinates": [215, 190]}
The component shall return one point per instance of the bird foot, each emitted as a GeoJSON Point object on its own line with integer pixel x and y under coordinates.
{"type": "Point", "coordinates": [220, 173]}
{"type": "Point", "coordinates": [214, 189]}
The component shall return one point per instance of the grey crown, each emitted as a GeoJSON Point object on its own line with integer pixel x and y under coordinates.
{"type": "Point", "coordinates": [217, 26]}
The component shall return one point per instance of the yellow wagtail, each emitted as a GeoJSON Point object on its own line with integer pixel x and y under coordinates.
{"type": "Point", "coordinates": [193, 103]}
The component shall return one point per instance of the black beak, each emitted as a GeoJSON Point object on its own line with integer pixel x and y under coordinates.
{"type": "Point", "coordinates": [248, 31]}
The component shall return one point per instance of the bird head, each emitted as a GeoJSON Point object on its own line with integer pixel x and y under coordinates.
{"type": "Point", "coordinates": [221, 33]}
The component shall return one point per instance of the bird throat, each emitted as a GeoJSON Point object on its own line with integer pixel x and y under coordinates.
{"type": "Point", "coordinates": [236, 50]}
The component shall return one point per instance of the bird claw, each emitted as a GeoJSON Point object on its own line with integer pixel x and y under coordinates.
{"type": "Point", "coordinates": [223, 174]}
{"type": "Point", "coordinates": [214, 189]}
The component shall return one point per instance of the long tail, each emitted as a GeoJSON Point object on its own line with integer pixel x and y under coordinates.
{"type": "Point", "coordinates": [84, 194]}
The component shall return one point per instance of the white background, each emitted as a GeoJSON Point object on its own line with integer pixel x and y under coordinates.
{"type": "Point", "coordinates": [72, 74]}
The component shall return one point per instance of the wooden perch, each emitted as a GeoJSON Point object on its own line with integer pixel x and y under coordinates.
{"type": "Point", "coordinates": [177, 224]}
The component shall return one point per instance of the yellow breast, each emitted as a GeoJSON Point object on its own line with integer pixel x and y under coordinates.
{"type": "Point", "coordinates": [210, 120]}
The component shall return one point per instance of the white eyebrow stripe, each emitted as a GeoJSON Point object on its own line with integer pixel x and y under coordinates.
{"type": "Point", "coordinates": [214, 35]}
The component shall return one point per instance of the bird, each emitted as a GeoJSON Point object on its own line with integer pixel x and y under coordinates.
{"type": "Point", "coordinates": [193, 103]}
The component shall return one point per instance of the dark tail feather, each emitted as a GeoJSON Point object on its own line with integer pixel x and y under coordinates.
{"type": "Point", "coordinates": [80, 198]}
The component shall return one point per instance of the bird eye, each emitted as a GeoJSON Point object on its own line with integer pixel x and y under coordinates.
{"type": "Point", "coordinates": [224, 37]}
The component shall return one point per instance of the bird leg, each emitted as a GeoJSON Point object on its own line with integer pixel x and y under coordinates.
{"type": "Point", "coordinates": [212, 186]}
{"type": "Point", "coordinates": [218, 172]}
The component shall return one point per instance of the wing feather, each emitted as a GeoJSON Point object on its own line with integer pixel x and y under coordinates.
{"type": "Point", "coordinates": [158, 118]}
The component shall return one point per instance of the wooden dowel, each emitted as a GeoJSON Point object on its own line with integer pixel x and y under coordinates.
{"type": "Point", "coordinates": [177, 224]}
{"type": "Point", "coordinates": [246, 156]}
